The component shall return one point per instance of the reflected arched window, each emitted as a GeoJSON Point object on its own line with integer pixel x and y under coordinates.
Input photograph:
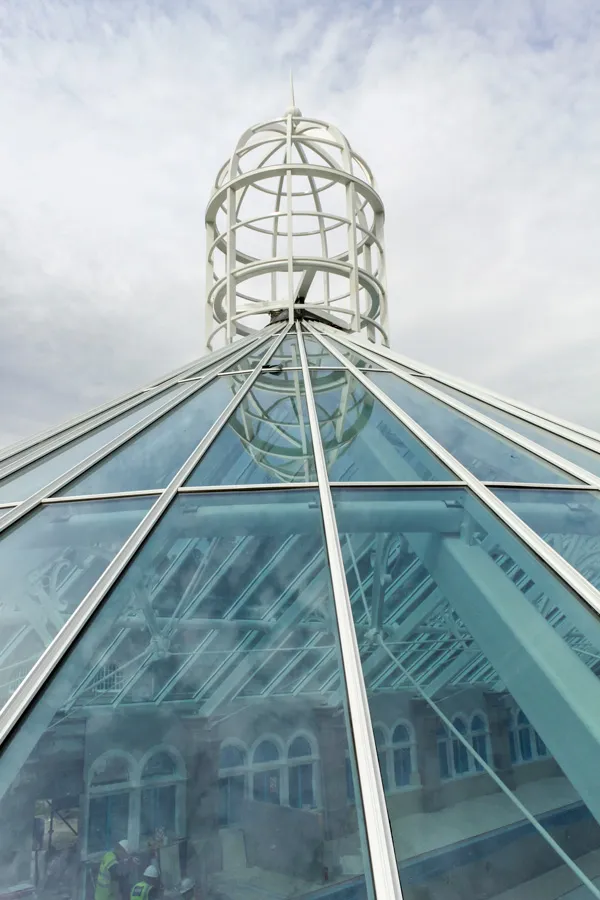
{"type": "Point", "coordinates": [160, 780]}
{"type": "Point", "coordinates": [382, 754]}
{"type": "Point", "coordinates": [266, 781]}
{"type": "Point", "coordinates": [479, 739]}
{"type": "Point", "coordinates": [525, 743]}
{"type": "Point", "coordinates": [443, 749]}
{"type": "Point", "coordinates": [402, 753]}
{"type": "Point", "coordinates": [460, 754]}
{"type": "Point", "coordinates": [110, 788]}
{"type": "Point", "coordinates": [233, 761]}
{"type": "Point", "coordinates": [301, 784]}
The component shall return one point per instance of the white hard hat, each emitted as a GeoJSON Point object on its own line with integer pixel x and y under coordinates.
{"type": "Point", "coordinates": [186, 885]}
{"type": "Point", "coordinates": [124, 845]}
{"type": "Point", "coordinates": [151, 872]}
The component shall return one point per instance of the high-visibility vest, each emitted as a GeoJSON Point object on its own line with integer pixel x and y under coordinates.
{"type": "Point", "coordinates": [141, 891]}
{"type": "Point", "coordinates": [106, 889]}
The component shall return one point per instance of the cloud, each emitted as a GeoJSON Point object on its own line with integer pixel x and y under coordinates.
{"type": "Point", "coordinates": [480, 124]}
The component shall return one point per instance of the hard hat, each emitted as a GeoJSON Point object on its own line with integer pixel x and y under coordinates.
{"type": "Point", "coordinates": [124, 845]}
{"type": "Point", "coordinates": [186, 885]}
{"type": "Point", "coordinates": [151, 872]}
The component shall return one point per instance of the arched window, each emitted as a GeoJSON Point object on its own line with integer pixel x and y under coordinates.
{"type": "Point", "coordinates": [443, 748]}
{"type": "Point", "coordinates": [110, 783]}
{"type": "Point", "coordinates": [524, 741]}
{"type": "Point", "coordinates": [266, 781]}
{"type": "Point", "coordinates": [301, 785]}
{"type": "Point", "coordinates": [402, 754]}
{"type": "Point", "coordinates": [233, 761]}
{"type": "Point", "coordinates": [382, 753]}
{"type": "Point", "coordinates": [160, 780]}
{"type": "Point", "coordinates": [479, 739]}
{"type": "Point", "coordinates": [460, 754]}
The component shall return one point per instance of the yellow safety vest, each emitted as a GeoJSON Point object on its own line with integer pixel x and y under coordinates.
{"type": "Point", "coordinates": [106, 889]}
{"type": "Point", "coordinates": [141, 891]}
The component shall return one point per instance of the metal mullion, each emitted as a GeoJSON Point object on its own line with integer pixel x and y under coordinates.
{"type": "Point", "coordinates": [558, 565]}
{"type": "Point", "coordinates": [33, 683]}
{"type": "Point", "coordinates": [84, 465]}
{"type": "Point", "coordinates": [138, 393]}
{"type": "Point", "coordinates": [543, 419]}
{"type": "Point", "coordinates": [536, 486]}
{"type": "Point", "coordinates": [503, 431]}
{"type": "Point", "coordinates": [115, 495]}
{"type": "Point", "coordinates": [278, 486]}
{"type": "Point", "coordinates": [378, 833]}
{"type": "Point", "coordinates": [108, 417]}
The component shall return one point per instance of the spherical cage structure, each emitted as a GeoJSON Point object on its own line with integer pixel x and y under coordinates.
{"type": "Point", "coordinates": [294, 227]}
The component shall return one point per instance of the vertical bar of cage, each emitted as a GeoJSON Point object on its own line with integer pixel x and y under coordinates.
{"type": "Point", "coordinates": [231, 261]}
{"type": "Point", "coordinates": [289, 217]}
{"type": "Point", "coordinates": [24, 695]}
{"type": "Point", "coordinates": [379, 838]}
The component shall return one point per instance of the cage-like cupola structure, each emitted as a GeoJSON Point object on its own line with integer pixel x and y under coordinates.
{"type": "Point", "coordinates": [294, 229]}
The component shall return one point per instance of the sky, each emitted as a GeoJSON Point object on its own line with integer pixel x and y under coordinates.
{"type": "Point", "coordinates": [479, 119]}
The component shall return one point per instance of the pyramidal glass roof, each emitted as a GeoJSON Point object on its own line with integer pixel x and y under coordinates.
{"type": "Point", "coordinates": [304, 619]}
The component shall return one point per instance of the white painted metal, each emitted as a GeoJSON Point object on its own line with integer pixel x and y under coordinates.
{"type": "Point", "coordinates": [378, 832]}
{"type": "Point", "coordinates": [558, 564]}
{"type": "Point", "coordinates": [294, 224]}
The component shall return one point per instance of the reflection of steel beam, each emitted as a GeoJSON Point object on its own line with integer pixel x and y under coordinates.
{"type": "Point", "coordinates": [554, 688]}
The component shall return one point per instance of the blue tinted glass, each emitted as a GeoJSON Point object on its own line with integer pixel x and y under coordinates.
{"type": "Point", "coordinates": [48, 563]}
{"type": "Point", "coordinates": [567, 520]}
{"type": "Point", "coordinates": [470, 624]}
{"type": "Point", "coordinates": [587, 459]}
{"type": "Point", "coordinates": [487, 455]}
{"type": "Point", "coordinates": [226, 598]}
{"type": "Point", "coordinates": [151, 459]}
{"type": "Point", "coordinates": [354, 357]}
{"type": "Point", "coordinates": [362, 440]}
{"type": "Point", "coordinates": [266, 440]}
{"type": "Point", "coordinates": [287, 355]}
{"type": "Point", "coordinates": [27, 481]}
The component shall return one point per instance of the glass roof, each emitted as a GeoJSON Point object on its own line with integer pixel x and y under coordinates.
{"type": "Point", "coordinates": [293, 610]}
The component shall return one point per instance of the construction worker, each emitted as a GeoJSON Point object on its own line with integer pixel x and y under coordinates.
{"type": "Point", "coordinates": [111, 883]}
{"type": "Point", "coordinates": [145, 888]}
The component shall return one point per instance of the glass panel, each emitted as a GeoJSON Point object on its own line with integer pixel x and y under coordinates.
{"type": "Point", "coordinates": [151, 459]}
{"type": "Point", "coordinates": [355, 358]}
{"type": "Point", "coordinates": [26, 482]}
{"type": "Point", "coordinates": [459, 624]}
{"type": "Point", "coordinates": [227, 596]}
{"type": "Point", "coordinates": [287, 355]}
{"type": "Point", "coordinates": [587, 459]}
{"type": "Point", "coordinates": [266, 440]}
{"type": "Point", "coordinates": [487, 455]}
{"type": "Point", "coordinates": [252, 359]}
{"type": "Point", "coordinates": [362, 440]}
{"type": "Point", "coordinates": [48, 563]}
{"type": "Point", "coordinates": [567, 520]}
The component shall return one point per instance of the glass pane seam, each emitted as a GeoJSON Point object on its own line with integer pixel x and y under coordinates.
{"type": "Point", "coordinates": [529, 413]}
{"type": "Point", "coordinates": [379, 838]}
{"type": "Point", "coordinates": [561, 568]}
{"type": "Point", "coordinates": [270, 486]}
{"type": "Point", "coordinates": [24, 695]}
{"type": "Point", "coordinates": [588, 478]}
{"type": "Point", "coordinates": [89, 427]}
{"type": "Point", "coordinates": [75, 471]}
{"type": "Point", "coordinates": [168, 381]}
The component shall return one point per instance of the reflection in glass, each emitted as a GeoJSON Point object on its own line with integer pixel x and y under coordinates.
{"type": "Point", "coordinates": [567, 520]}
{"type": "Point", "coordinates": [587, 459]}
{"type": "Point", "coordinates": [27, 481]}
{"type": "Point", "coordinates": [267, 438]}
{"type": "Point", "coordinates": [201, 715]}
{"type": "Point", "coordinates": [466, 637]}
{"type": "Point", "coordinates": [152, 458]}
{"type": "Point", "coordinates": [362, 440]}
{"type": "Point", "coordinates": [48, 563]}
{"type": "Point", "coordinates": [484, 453]}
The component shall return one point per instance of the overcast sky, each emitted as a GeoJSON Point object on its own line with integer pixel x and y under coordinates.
{"type": "Point", "coordinates": [481, 121]}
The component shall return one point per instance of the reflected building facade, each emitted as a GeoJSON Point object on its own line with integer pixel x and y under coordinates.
{"type": "Point", "coordinates": [305, 618]}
